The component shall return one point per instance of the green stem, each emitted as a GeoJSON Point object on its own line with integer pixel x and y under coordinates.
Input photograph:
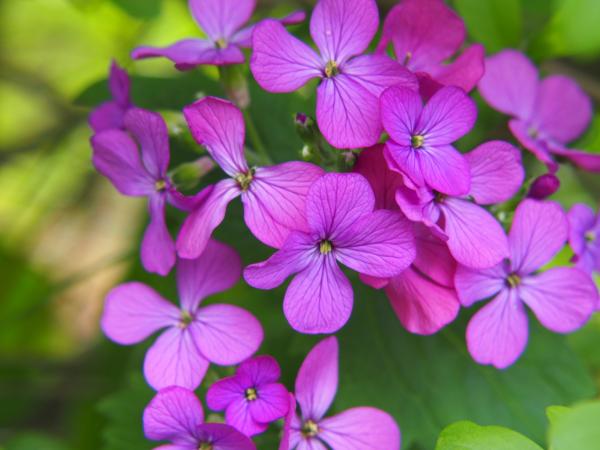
{"type": "Point", "coordinates": [257, 143]}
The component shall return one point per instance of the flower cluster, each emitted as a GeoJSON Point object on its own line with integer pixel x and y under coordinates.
{"type": "Point", "coordinates": [409, 213]}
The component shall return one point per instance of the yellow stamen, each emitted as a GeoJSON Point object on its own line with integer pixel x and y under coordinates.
{"type": "Point", "coordinates": [185, 319]}
{"type": "Point", "coordinates": [590, 236]}
{"type": "Point", "coordinates": [407, 58]}
{"type": "Point", "coordinates": [205, 446]}
{"type": "Point", "coordinates": [331, 69]}
{"type": "Point", "coordinates": [417, 141]}
{"type": "Point", "coordinates": [310, 428]}
{"type": "Point", "coordinates": [160, 185]}
{"type": "Point", "coordinates": [244, 179]}
{"type": "Point", "coordinates": [325, 247]}
{"type": "Point", "coordinates": [251, 394]}
{"type": "Point", "coordinates": [221, 43]}
{"type": "Point", "coordinates": [513, 280]}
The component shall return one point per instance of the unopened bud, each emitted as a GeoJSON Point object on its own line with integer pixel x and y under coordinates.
{"type": "Point", "coordinates": [307, 128]}
{"type": "Point", "coordinates": [544, 186]}
{"type": "Point", "coordinates": [234, 82]}
{"type": "Point", "coordinates": [187, 176]}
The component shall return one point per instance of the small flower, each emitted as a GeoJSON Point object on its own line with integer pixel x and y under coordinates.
{"type": "Point", "coordinates": [363, 428]}
{"type": "Point", "coordinates": [194, 336]}
{"type": "Point", "coordinates": [544, 186]}
{"type": "Point", "coordinates": [252, 398]}
{"type": "Point", "coordinates": [111, 114]}
{"type": "Point", "coordinates": [424, 34]}
{"type": "Point", "coordinates": [273, 197]}
{"type": "Point", "coordinates": [547, 114]}
{"type": "Point", "coordinates": [342, 226]}
{"type": "Point", "coordinates": [347, 96]}
{"type": "Point", "coordinates": [421, 138]}
{"type": "Point", "coordinates": [562, 298]}
{"type": "Point", "coordinates": [224, 22]}
{"type": "Point", "coordinates": [584, 237]}
{"type": "Point", "coordinates": [175, 415]}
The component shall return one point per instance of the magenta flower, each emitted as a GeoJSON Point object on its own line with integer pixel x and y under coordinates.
{"type": "Point", "coordinates": [347, 96]}
{"type": "Point", "coordinates": [273, 197]}
{"type": "Point", "coordinates": [224, 22]}
{"type": "Point", "coordinates": [544, 186]}
{"type": "Point", "coordinates": [194, 336]}
{"type": "Point", "coordinates": [116, 156]}
{"type": "Point", "coordinates": [361, 428]}
{"type": "Point", "coordinates": [175, 415]}
{"type": "Point", "coordinates": [584, 237]}
{"type": "Point", "coordinates": [252, 398]}
{"type": "Point", "coordinates": [547, 114]}
{"type": "Point", "coordinates": [562, 298]}
{"type": "Point", "coordinates": [421, 138]}
{"type": "Point", "coordinates": [111, 114]}
{"type": "Point", "coordinates": [342, 227]}
{"type": "Point", "coordinates": [425, 33]}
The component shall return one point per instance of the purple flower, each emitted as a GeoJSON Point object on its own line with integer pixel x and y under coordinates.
{"type": "Point", "coordinates": [111, 114]}
{"type": "Point", "coordinates": [224, 22]}
{"type": "Point", "coordinates": [194, 336]}
{"type": "Point", "coordinates": [362, 428]}
{"type": "Point", "coordinates": [547, 114]}
{"type": "Point", "coordinates": [347, 97]}
{"type": "Point", "coordinates": [425, 33]}
{"type": "Point", "coordinates": [342, 226]}
{"type": "Point", "coordinates": [421, 138]}
{"type": "Point", "coordinates": [584, 237]}
{"type": "Point", "coordinates": [562, 298]}
{"type": "Point", "coordinates": [544, 186]}
{"type": "Point", "coordinates": [175, 415]}
{"type": "Point", "coordinates": [252, 398]}
{"type": "Point", "coordinates": [273, 197]}
{"type": "Point", "coordinates": [116, 156]}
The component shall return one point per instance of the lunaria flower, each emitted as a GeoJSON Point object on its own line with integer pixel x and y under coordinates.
{"type": "Point", "coordinates": [584, 237]}
{"type": "Point", "coordinates": [273, 197]}
{"type": "Point", "coordinates": [474, 236]}
{"type": "Point", "coordinates": [342, 226]}
{"type": "Point", "coordinates": [426, 33]}
{"type": "Point", "coordinates": [347, 96]}
{"type": "Point", "coordinates": [547, 114]}
{"type": "Point", "coordinates": [175, 415]}
{"type": "Point", "coordinates": [194, 336]}
{"type": "Point", "coordinates": [111, 114]}
{"type": "Point", "coordinates": [562, 298]}
{"type": "Point", "coordinates": [420, 145]}
{"type": "Point", "coordinates": [224, 22]}
{"type": "Point", "coordinates": [423, 295]}
{"type": "Point", "coordinates": [362, 428]}
{"type": "Point", "coordinates": [252, 398]}
{"type": "Point", "coordinates": [116, 156]}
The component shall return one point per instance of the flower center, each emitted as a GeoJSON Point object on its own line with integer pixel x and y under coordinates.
{"type": "Point", "coordinates": [417, 141]}
{"type": "Point", "coordinates": [221, 43]}
{"type": "Point", "coordinates": [533, 133]}
{"type": "Point", "coordinates": [244, 179]}
{"type": "Point", "coordinates": [439, 197]}
{"type": "Point", "coordinates": [331, 69]}
{"type": "Point", "coordinates": [251, 394]}
{"type": "Point", "coordinates": [325, 247]}
{"type": "Point", "coordinates": [407, 58]}
{"type": "Point", "coordinates": [205, 446]}
{"type": "Point", "coordinates": [590, 236]}
{"type": "Point", "coordinates": [185, 319]}
{"type": "Point", "coordinates": [513, 280]}
{"type": "Point", "coordinates": [160, 185]}
{"type": "Point", "coordinates": [310, 428]}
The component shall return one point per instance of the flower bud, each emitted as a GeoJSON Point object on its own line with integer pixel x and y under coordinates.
{"type": "Point", "coordinates": [186, 176]}
{"type": "Point", "coordinates": [544, 186]}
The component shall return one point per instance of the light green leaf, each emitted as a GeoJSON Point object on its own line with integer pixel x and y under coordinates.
{"type": "Point", "coordinates": [577, 428]}
{"type": "Point", "coordinates": [466, 435]}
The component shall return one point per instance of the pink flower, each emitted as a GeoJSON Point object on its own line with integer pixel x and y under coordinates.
{"type": "Point", "coordinates": [362, 428]}
{"type": "Point", "coordinates": [547, 114]}
{"type": "Point", "coordinates": [273, 197]}
{"type": "Point", "coordinates": [584, 237]}
{"type": "Point", "coordinates": [425, 33]}
{"type": "Point", "coordinates": [252, 398]}
{"type": "Point", "coordinates": [562, 298]}
{"type": "Point", "coordinates": [194, 336]}
{"type": "Point", "coordinates": [342, 226]}
{"type": "Point", "coordinates": [224, 22]}
{"type": "Point", "coordinates": [111, 114]}
{"type": "Point", "coordinates": [347, 96]}
{"type": "Point", "coordinates": [175, 415]}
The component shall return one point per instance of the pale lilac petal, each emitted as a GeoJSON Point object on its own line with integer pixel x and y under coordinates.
{"type": "Point", "coordinates": [158, 248]}
{"type": "Point", "coordinates": [174, 360]}
{"type": "Point", "coordinates": [343, 28]}
{"type": "Point", "coordinates": [119, 85]}
{"type": "Point", "coordinates": [133, 311]}
{"type": "Point", "coordinates": [189, 53]}
{"type": "Point", "coordinates": [562, 298]}
{"type": "Point", "coordinates": [218, 269]}
{"type": "Point", "coordinates": [466, 70]}
{"type": "Point", "coordinates": [422, 305]}
{"type": "Point", "coordinates": [380, 244]}
{"type": "Point", "coordinates": [219, 126]}
{"type": "Point", "coordinates": [226, 334]}
{"type": "Point", "coordinates": [220, 19]}
{"type": "Point", "coordinates": [272, 403]}
{"type": "Point", "coordinates": [175, 447]}
{"type": "Point", "coordinates": [497, 333]}
{"type": "Point", "coordinates": [199, 225]}
{"type": "Point", "coordinates": [584, 160]}
{"type": "Point", "coordinates": [173, 415]}
{"type": "Point", "coordinates": [523, 134]}
{"type": "Point", "coordinates": [539, 230]}
{"type": "Point", "coordinates": [243, 38]}
{"type": "Point", "coordinates": [150, 131]}
{"type": "Point", "coordinates": [280, 62]}
{"type": "Point", "coordinates": [275, 203]}
{"type": "Point", "coordinates": [288, 433]}
{"type": "Point", "coordinates": [374, 282]}
{"type": "Point", "coordinates": [475, 238]}
{"type": "Point", "coordinates": [418, 205]}
{"type": "Point", "coordinates": [224, 437]}
{"type": "Point", "coordinates": [562, 110]}
{"type": "Point", "coordinates": [474, 285]}
{"type": "Point", "coordinates": [310, 444]}
{"type": "Point", "coordinates": [361, 428]}
{"type": "Point", "coordinates": [317, 380]}
{"type": "Point", "coordinates": [262, 369]}
{"type": "Point", "coordinates": [496, 172]}
{"type": "Point", "coordinates": [116, 157]}
{"type": "Point", "coordinates": [581, 220]}
{"type": "Point", "coordinates": [319, 299]}
{"type": "Point", "coordinates": [510, 83]}
{"type": "Point", "coordinates": [238, 416]}
{"type": "Point", "coordinates": [225, 391]}
{"type": "Point", "coordinates": [433, 257]}
{"type": "Point", "coordinates": [400, 111]}
{"type": "Point", "coordinates": [107, 116]}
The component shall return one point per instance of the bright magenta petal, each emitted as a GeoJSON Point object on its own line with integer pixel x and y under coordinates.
{"type": "Point", "coordinates": [158, 248]}
{"type": "Point", "coordinates": [189, 53]}
{"type": "Point", "coordinates": [150, 131]}
{"type": "Point", "coordinates": [474, 285]}
{"type": "Point", "coordinates": [238, 416]}
{"type": "Point", "coordinates": [465, 72]}
{"type": "Point", "coordinates": [378, 72]}
{"type": "Point", "coordinates": [400, 111]}
{"type": "Point", "coordinates": [220, 19]}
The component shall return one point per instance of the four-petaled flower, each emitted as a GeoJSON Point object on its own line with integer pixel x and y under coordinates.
{"type": "Point", "coordinates": [584, 237]}
{"type": "Point", "coordinates": [111, 114]}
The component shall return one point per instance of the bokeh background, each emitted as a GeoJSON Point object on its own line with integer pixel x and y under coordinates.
{"type": "Point", "coordinates": [67, 237]}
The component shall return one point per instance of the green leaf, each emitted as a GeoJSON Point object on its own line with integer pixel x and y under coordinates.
{"type": "Point", "coordinates": [141, 9]}
{"type": "Point", "coordinates": [470, 436]}
{"type": "Point", "coordinates": [576, 428]}
{"type": "Point", "coordinates": [34, 441]}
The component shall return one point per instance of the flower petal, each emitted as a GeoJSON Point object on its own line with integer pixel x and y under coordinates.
{"type": "Point", "coordinates": [584, 160]}
{"type": "Point", "coordinates": [238, 416]}
{"type": "Point", "coordinates": [433, 257]}
{"type": "Point", "coordinates": [288, 433]}
{"type": "Point", "coordinates": [522, 132]}
{"type": "Point", "coordinates": [466, 70]}
{"type": "Point", "coordinates": [376, 73]}
{"type": "Point", "coordinates": [497, 333]}
{"type": "Point", "coordinates": [150, 131]}
{"type": "Point", "coordinates": [189, 53]}
{"type": "Point", "coordinates": [133, 311]}
{"type": "Point", "coordinates": [225, 391]}
{"type": "Point", "coordinates": [400, 111]}
{"type": "Point", "coordinates": [119, 85]}
{"type": "Point", "coordinates": [107, 116]}
{"type": "Point", "coordinates": [581, 220]}
{"type": "Point", "coordinates": [224, 437]}
{"type": "Point", "coordinates": [474, 285]}
{"type": "Point", "coordinates": [272, 403]}
{"type": "Point", "coordinates": [262, 369]}
{"type": "Point", "coordinates": [243, 38]}
{"type": "Point", "coordinates": [220, 19]}
{"type": "Point", "coordinates": [158, 248]}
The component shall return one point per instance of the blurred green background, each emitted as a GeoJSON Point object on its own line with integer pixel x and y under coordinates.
{"type": "Point", "coordinates": [67, 237]}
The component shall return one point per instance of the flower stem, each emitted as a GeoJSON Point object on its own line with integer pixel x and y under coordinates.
{"type": "Point", "coordinates": [257, 143]}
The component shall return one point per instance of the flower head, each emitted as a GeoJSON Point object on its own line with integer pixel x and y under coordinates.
{"type": "Point", "coordinates": [194, 336]}
{"type": "Point", "coordinates": [584, 237]}
{"type": "Point", "coordinates": [111, 114]}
